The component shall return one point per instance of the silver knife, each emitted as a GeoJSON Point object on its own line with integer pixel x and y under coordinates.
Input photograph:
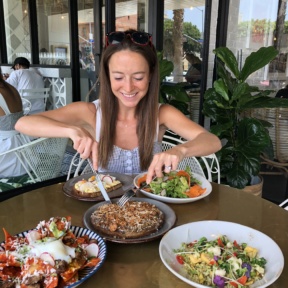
{"type": "Point", "coordinates": [99, 183]}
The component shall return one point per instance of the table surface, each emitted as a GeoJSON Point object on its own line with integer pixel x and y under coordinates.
{"type": "Point", "coordinates": [139, 265]}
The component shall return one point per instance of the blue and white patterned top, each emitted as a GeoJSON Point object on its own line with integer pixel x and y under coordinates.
{"type": "Point", "coordinates": [123, 161]}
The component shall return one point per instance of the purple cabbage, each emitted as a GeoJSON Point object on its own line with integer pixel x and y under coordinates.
{"type": "Point", "coordinates": [248, 269]}
{"type": "Point", "coordinates": [219, 281]}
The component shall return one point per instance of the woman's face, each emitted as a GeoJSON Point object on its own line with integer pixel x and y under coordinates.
{"type": "Point", "coordinates": [129, 77]}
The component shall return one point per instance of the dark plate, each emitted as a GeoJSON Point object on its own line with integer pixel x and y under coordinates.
{"type": "Point", "coordinates": [87, 272]}
{"type": "Point", "coordinates": [126, 180]}
{"type": "Point", "coordinates": [170, 219]}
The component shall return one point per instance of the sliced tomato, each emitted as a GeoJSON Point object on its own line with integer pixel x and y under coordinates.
{"type": "Point", "coordinates": [213, 262]}
{"type": "Point", "coordinates": [236, 244]}
{"type": "Point", "coordinates": [242, 280]}
{"type": "Point", "coordinates": [220, 242]}
{"type": "Point", "coordinates": [180, 259]}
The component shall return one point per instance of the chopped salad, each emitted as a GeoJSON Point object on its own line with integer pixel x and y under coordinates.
{"type": "Point", "coordinates": [176, 184]}
{"type": "Point", "coordinates": [221, 262]}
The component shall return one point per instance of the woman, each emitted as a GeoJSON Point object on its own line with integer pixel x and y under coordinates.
{"type": "Point", "coordinates": [122, 131]}
{"type": "Point", "coordinates": [10, 111]}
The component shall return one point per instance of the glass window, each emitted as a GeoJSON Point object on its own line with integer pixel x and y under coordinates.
{"type": "Point", "coordinates": [260, 23]}
{"type": "Point", "coordinates": [183, 40]}
{"type": "Point", "coordinates": [17, 29]}
{"type": "Point", "coordinates": [53, 32]}
{"type": "Point", "coordinates": [132, 15]}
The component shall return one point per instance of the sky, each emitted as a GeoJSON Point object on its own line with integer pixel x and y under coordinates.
{"type": "Point", "coordinates": [194, 16]}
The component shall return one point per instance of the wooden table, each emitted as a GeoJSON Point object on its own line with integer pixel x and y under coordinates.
{"type": "Point", "coordinates": [139, 265]}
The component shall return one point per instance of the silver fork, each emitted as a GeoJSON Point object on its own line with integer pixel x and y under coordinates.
{"type": "Point", "coordinates": [130, 193]}
{"type": "Point", "coordinates": [125, 198]}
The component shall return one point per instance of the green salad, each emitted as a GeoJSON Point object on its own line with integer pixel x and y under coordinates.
{"type": "Point", "coordinates": [221, 262]}
{"type": "Point", "coordinates": [173, 184]}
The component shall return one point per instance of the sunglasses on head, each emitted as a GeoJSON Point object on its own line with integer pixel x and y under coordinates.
{"type": "Point", "coordinates": [139, 38]}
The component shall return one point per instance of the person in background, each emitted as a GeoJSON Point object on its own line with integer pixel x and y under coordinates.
{"type": "Point", "coordinates": [24, 78]}
{"type": "Point", "coordinates": [81, 61]}
{"type": "Point", "coordinates": [122, 131]}
{"type": "Point", "coordinates": [282, 93]}
{"type": "Point", "coordinates": [10, 112]}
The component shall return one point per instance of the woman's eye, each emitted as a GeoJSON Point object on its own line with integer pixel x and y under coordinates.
{"type": "Point", "coordinates": [118, 78]}
{"type": "Point", "coordinates": [138, 79]}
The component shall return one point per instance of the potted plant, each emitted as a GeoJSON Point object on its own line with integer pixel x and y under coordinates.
{"type": "Point", "coordinates": [171, 93]}
{"type": "Point", "coordinates": [227, 104]}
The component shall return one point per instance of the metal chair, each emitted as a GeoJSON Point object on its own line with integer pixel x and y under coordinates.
{"type": "Point", "coordinates": [41, 158]}
{"type": "Point", "coordinates": [38, 98]}
{"type": "Point", "coordinates": [210, 162]}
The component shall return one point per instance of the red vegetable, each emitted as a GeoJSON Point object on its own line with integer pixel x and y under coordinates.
{"type": "Point", "coordinates": [180, 259]}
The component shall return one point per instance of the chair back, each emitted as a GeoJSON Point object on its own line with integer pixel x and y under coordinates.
{"type": "Point", "coordinates": [38, 98]}
{"type": "Point", "coordinates": [210, 162]}
{"type": "Point", "coordinates": [27, 105]}
{"type": "Point", "coordinates": [41, 158]}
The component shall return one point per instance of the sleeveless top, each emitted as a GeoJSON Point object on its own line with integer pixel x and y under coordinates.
{"type": "Point", "coordinates": [123, 161]}
{"type": "Point", "coordinates": [9, 139]}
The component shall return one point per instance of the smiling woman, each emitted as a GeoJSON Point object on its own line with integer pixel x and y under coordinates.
{"type": "Point", "coordinates": [130, 123]}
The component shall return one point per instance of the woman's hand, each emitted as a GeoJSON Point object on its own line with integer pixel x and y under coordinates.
{"type": "Point", "coordinates": [165, 162]}
{"type": "Point", "coordinates": [85, 145]}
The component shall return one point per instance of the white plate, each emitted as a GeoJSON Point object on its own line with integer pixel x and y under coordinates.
{"type": "Point", "coordinates": [267, 248]}
{"type": "Point", "coordinates": [87, 272]}
{"type": "Point", "coordinates": [204, 184]}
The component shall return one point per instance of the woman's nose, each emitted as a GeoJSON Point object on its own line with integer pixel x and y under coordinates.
{"type": "Point", "coordinates": [129, 86]}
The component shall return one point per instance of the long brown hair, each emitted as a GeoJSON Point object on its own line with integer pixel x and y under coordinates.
{"type": "Point", "coordinates": [146, 111]}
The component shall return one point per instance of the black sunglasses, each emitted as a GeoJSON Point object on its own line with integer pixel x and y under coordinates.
{"type": "Point", "coordinates": [139, 38]}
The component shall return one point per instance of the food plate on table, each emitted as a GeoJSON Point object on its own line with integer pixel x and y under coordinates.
{"type": "Point", "coordinates": [47, 259]}
{"type": "Point", "coordinates": [126, 181]}
{"type": "Point", "coordinates": [169, 221]}
{"type": "Point", "coordinates": [204, 184]}
{"type": "Point", "coordinates": [190, 232]}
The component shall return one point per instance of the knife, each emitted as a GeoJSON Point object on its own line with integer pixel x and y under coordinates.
{"type": "Point", "coordinates": [99, 183]}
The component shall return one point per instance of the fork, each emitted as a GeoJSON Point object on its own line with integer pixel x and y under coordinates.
{"type": "Point", "coordinates": [130, 193]}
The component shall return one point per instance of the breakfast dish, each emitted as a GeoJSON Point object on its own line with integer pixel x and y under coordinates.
{"type": "Point", "coordinates": [135, 219]}
{"type": "Point", "coordinates": [54, 254]}
{"type": "Point", "coordinates": [81, 188]}
{"type": "Point", "coordinates": [89, 187]}
{"type": "Point", "coordinates": [165, 223]}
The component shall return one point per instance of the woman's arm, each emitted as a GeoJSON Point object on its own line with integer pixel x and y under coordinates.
{"type": "Point", "coordinates": [200, 142]}
{"type": "Point", "coordinates": [75, 121]}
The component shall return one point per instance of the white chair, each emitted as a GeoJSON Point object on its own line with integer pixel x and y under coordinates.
{"type": "Point", "coordinates": [210, 162]}
{"type": "Point", "coordinates": [284, 204]}
{"type": "Point", "coordinates": [34, 96]}
{"type": "Point", "coordinates": [27, 105]}
{"type": "Point", "coordinates": [79, 166]}
{"type": "Point", "coordinates": [41, 158]}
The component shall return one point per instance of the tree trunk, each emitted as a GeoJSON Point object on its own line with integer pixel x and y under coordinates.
{"type": "Point", "coordinates": [178, 44]}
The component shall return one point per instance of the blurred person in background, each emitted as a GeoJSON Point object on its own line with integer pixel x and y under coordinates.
{"type": "Point", "coordinates": [10, 111]}
{"type": "Point", "coordinates": [25, 78]}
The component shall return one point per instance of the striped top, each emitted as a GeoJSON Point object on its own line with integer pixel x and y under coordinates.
{"type": "Point", "coordinates": [123, 161]}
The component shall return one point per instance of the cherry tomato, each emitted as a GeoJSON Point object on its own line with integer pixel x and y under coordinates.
{"type": "Point", "coordinates": [180, 259]}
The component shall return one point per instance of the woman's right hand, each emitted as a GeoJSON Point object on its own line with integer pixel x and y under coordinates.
{"type": "Point", "coordinates": [85, 145]}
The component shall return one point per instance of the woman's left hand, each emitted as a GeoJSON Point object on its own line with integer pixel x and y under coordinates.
{"type": "Point", "coordinates": [164, 162]}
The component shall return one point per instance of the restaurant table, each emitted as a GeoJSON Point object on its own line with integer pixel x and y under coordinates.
{"type": "Point", "coordinates": [139, 265]}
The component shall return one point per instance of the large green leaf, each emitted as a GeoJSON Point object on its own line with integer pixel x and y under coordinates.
{"type": "Point", "coordinates": [228, 58]}
{"type": "Point", "coordinates": [257, 60]}
{"type": "Point", "coordinates": [221, 88]}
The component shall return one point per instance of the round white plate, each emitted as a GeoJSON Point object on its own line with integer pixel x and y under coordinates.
{"type": "Point", "coordinates": [267, 248]}
{"type": "Point", "coordinates": [204, 184]}
{"type": "Point", "coordinates": [87, 272]}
